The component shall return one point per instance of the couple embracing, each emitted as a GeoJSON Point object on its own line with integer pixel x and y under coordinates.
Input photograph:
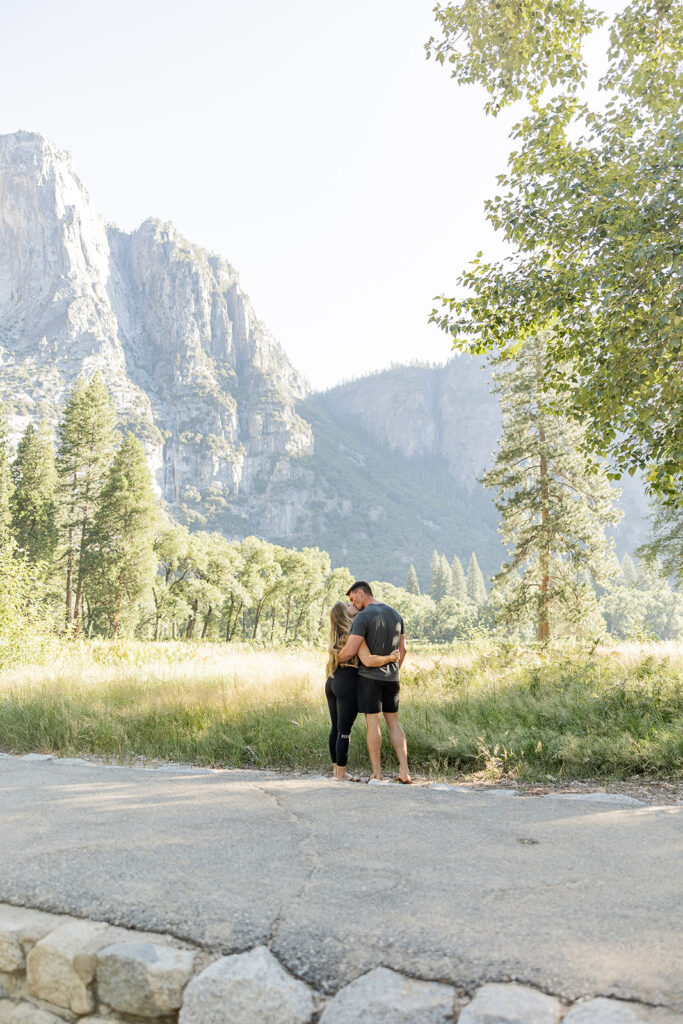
{"type": "Point", "coordinates": [367, 648]}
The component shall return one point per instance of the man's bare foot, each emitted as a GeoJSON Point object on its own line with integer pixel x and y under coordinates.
{"type": "Point", "coordinates": [404, 782]}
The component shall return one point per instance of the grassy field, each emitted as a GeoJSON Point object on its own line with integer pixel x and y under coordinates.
{"type": "Point", "coordinates": [503, 712]}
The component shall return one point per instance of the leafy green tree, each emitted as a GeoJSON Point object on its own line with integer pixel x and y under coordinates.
{"type": "Point", "coordinates": [169, 587]}
{"type": "Point", "coordinates": [86, 440]}
{"type": "Point", "coordinates": [591, 203]}
{"type": "Point", "coordinates": [650, 610]}
{"type": "Point", "coordinates": [33, 500]}
{"type": "Point", "coordinates": [119, 558]}
{"type": "Point", "coordinates": [304, 590]}
{"type": "Point", "coordinates": [476, 587]}
{"type": "Point", "coordinates": [666, 542]}
{"type": "Point", "coordinates": [254, 580]}
{"type": "Point", "coordinates": [416, 610]}
{"type": "Point", "coordinates": [412, 582]}
{"type": "Point", "coordinates": [6, 484]}
{"type": "Point", "coordinates": [553, 509]}
{"type": "Point", "coordinates": [450, 620]}
{"type": "Point", "coordinates": [26, 631]}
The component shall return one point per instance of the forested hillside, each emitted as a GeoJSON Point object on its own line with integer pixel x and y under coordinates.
{"type": "Point", "coordinates": [378, 472]}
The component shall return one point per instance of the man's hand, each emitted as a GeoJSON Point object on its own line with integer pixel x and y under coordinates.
{"type": "Point", "coordinates": [350, 648]}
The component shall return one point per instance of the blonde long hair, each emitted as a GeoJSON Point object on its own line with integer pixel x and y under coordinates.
{"type": "Point", "coordinates": [340, 624]}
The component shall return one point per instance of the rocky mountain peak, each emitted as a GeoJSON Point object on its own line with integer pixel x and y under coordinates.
{"type": "Point", "coordinates": [191, 368]}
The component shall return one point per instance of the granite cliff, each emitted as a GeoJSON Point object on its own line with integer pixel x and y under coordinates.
{"type": "Point", "coordinates": [378, 472]}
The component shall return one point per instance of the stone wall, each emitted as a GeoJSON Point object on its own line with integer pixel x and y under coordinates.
{"type": "Point", "coordinates": [55, 968]}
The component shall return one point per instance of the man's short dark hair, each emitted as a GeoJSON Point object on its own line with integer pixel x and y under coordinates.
{"type": "Point", "coordinates": [360, 585]}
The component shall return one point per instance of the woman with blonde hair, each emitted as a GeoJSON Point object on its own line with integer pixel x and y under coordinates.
{"type": "Point", "coordinates": [341, 687]}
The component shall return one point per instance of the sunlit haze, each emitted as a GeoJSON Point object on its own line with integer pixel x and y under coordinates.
{"type": "Point", "coordinates": [311, 144]}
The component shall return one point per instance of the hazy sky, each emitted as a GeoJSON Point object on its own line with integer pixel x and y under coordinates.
{"type": "Point", "coordinates": [308, 142]}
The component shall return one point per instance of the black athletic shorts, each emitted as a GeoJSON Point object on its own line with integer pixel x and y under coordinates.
{"type": "Point", "coordinates": [375, 695]}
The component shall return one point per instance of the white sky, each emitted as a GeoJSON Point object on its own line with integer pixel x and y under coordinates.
{"type": "Point", "coordinates": [308, 142]}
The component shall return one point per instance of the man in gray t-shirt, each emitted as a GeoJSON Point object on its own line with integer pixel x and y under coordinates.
{"type": "Point", "coordinates": [381, 627]}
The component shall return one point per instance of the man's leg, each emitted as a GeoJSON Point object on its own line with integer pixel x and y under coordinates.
{"type": "Point", "coordinates": [398, 742]}
{"type": "Point", "coordinates": [373, 736]}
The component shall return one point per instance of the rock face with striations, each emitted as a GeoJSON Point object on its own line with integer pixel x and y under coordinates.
{"type": "Point", "coordinates": [378, 472]}
{"type": "Point", "coordinates": [191, 369]}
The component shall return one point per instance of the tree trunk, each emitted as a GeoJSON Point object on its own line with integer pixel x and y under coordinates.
{"type": "Point", "coordinates": [69, 579]}
{"type": "Point", "coordinates": [117, 611]}
{"type": "Point", "coordinates": [257, 616]}
{"type": "Point", "coordinates": [206, 622]}
{"type": "Point", "coordinates": [544, 554]}
{"type": "Point", "coordinates": [189, 632]}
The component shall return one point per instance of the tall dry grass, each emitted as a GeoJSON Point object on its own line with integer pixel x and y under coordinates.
{"type": "Point", "coordinates": [503, 709]}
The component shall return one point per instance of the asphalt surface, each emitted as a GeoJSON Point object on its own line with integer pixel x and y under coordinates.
{"type": "Point", "coordinates": [578, 896]}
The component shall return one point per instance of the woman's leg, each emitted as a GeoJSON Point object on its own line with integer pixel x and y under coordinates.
{"type": "Point", "coordinates": [347, 710]}
{"type": "Point", "coordinates": [345, 687]}
{"type": "Point", "coordinates": [332, 739]}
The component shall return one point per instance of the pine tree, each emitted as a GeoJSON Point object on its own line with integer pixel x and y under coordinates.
{"type": "Point", "coordinates": [476, 588]}
{"type": "Point", "coordinates": [119, 558]}
{"type": "Point", "coordinates": [412, 582]}
{"type": "Point", "coordinates": [33, 501]}
{"type": "Point", "coordinates": [553, 505]}
{"type": "Point", "coordinates": [6, 484]}
{"type": "Point", "coordinates": [446, 576]}
{"type": "Point", "coordinates": [439, 580]}
{"type": "Point", "coordinates": [86, 438]}
{"type": "Point", "coordinates": [459, 584]}
{"type": "Point", "coordinates": [629, 574]}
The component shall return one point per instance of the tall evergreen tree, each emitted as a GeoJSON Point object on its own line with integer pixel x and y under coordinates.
{"type": "Point", "coordinates": [412, 582]}
{"type": "Point", "coordinates": [439, 580]}
{"type": "Point", "coordinates": [553, 505]}
{"type": "Point", "coordinates": [446, 575]}
{"type": "Point", "coordinates": [33, 501]}
{"type": "Point", "coordinates": [629, 574]}
{"type": "Point", "coordinates": [6, 484]}
{"type": "Point", "coordinates": [476, 587]}
{"type": "Point", "coordinates": [119, 558]}
{"type": "Point", "coordinates": [459, 583]}
{"type": "Point", "coordinates": [86, 437]}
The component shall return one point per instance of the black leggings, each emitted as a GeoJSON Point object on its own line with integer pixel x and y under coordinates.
{"type": "Point", "coordinates": [341, 691]}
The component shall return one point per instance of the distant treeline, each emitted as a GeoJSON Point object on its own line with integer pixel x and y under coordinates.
{"type": "Point", "coordinates": [87, 550]}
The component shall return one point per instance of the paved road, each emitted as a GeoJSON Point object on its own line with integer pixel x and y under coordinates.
{"type": "Point", "coordinates": [576, 896]}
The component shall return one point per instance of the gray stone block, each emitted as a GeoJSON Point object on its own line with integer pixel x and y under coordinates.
{"type": "Point", "coordinates": [252, 988]}
{"type": "Point", "coordinates": [20, 929]}
{"type": "Point", "coordinates": [511, 1004]}
{"type": "Point", "coordinates": [142, 977]}
{"type": "Point", "coordinates": [60, 968]}
{"type": "Point", "coordinates": [616, 1011]}
{"type": "Point", "coordinates": [385, 997]}
{"type": "Point", "coordinates": [27, 1013]}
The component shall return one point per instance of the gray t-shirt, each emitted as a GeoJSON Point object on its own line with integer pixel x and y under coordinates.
{"type": "Point", "coordinates": [381, 625]}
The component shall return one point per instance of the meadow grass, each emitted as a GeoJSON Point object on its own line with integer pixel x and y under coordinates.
{"type": "Point", "coordinates": [500, 711]}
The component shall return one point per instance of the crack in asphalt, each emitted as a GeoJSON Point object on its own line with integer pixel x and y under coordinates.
{"type": "Point", "coordinates": [304, 841]}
